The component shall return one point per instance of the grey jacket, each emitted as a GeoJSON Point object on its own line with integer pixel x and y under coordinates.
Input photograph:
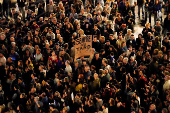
{"type": "Point", "coordinates": [31, 49]}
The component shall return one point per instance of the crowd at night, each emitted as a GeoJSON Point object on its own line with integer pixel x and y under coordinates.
{"type": "Point", "coordinates": [124, 73]}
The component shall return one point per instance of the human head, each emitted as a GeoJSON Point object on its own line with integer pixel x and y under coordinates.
{"type": "Point", "coordinates": [95, 26]}
{"type": "Point", "coordinates": [152, 107]}
{"type": "Point", "coordinates": [36, 99]}
{"type": "Point", "coordinates": [125, 60]}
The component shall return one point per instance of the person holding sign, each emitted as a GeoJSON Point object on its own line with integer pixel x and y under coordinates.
{"type": "Point", "coordinates": [83, 46]}
{"type": "Point", "coordinates": [80, 61]}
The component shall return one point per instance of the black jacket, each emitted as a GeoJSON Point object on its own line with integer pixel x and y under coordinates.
{"type": "Point", "coordinates": [21, 3]}
{"type": "Point", "coordinates": [5, 4]}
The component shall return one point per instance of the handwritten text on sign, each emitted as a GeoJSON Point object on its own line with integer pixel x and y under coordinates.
{"type": "Point", "coordinates": [83, 46]}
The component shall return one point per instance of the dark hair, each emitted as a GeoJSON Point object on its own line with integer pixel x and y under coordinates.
{"type": "Point", "coordinates": [50, 28]}
{"type": "Point", "coordinates": [105, 105]}
{"type": "Point", "coordinates": [111, 53]}
{"type": "Point", "coordinates": [96, 53]}
{"type": "Point", "coordinates": [102, 50]}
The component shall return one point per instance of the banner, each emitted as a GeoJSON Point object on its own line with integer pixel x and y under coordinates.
{"type": "Point", "coordinates": [83, 46]}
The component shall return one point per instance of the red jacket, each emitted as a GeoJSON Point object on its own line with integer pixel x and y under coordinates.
{"type": "Point", "coordinates": [53, 61]}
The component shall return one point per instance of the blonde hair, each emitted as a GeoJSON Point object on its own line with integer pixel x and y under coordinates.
{"type": "Point", "coordinates": [157, 38]}
{"type": "Point", "coordinates": [147, 24]}
{"type": "Point", "coordinates": [71, 25]}
{"type": "Point", "coordinates": [89, 15]}
{"type": "Point", "coordinates": [127, 2]}
{"type": "Point", "coordinates": [102, 38]}
{"type": "Point", "coordinates": [65, 20]}
{"type": "Point", "coordinates": [81, 30]}
{"type": "Point", "coordinates": [104, 59]}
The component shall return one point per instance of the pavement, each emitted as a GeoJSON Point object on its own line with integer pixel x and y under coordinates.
{"type": "Point", "coordinates": [138, 27]}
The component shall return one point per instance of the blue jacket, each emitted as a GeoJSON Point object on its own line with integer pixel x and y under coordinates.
{"type": "Point", "coordinates": [156, 8]}
{"type": "Point", "coordinates": [15, 56]}
{"type": "Point", "coordinates": [121, 7]}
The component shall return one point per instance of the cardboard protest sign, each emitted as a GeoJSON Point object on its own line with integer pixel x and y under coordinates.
{"type": "Point", "coordinates": [83, 46]}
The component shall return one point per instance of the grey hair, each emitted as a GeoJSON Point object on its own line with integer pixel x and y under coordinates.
{"type": "Point", "coordinates": [126, 58]}
{"type": "Point", "coordinates": [36, 98]}
{"type": "Point", "coordinates": [129, 30]}
{"type": "Point", "coordinates": [132, 57]}
{"type": "Point", "coordinates": [75, 33]}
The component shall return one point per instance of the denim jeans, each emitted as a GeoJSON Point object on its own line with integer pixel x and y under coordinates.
{"type": "Point", "coordinates": [139, 7]}
{"type": "Point", "coordinates": [146, 16]}
{"type": "Point", "coordinates": [133, 10]}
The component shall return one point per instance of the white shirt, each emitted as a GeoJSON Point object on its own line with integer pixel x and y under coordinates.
{"type": "Point", "coordinates": [132, 2]}
{"type": "Point", "coordinates": [38, 57]}
{"type": "Point", "coordinates": [68, 69]}
{"type": "Point", "coordinates": [105, 110]}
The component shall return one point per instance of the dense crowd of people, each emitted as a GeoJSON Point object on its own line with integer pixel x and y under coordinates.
{"type": "Point", "coordinates": [124, 73]}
